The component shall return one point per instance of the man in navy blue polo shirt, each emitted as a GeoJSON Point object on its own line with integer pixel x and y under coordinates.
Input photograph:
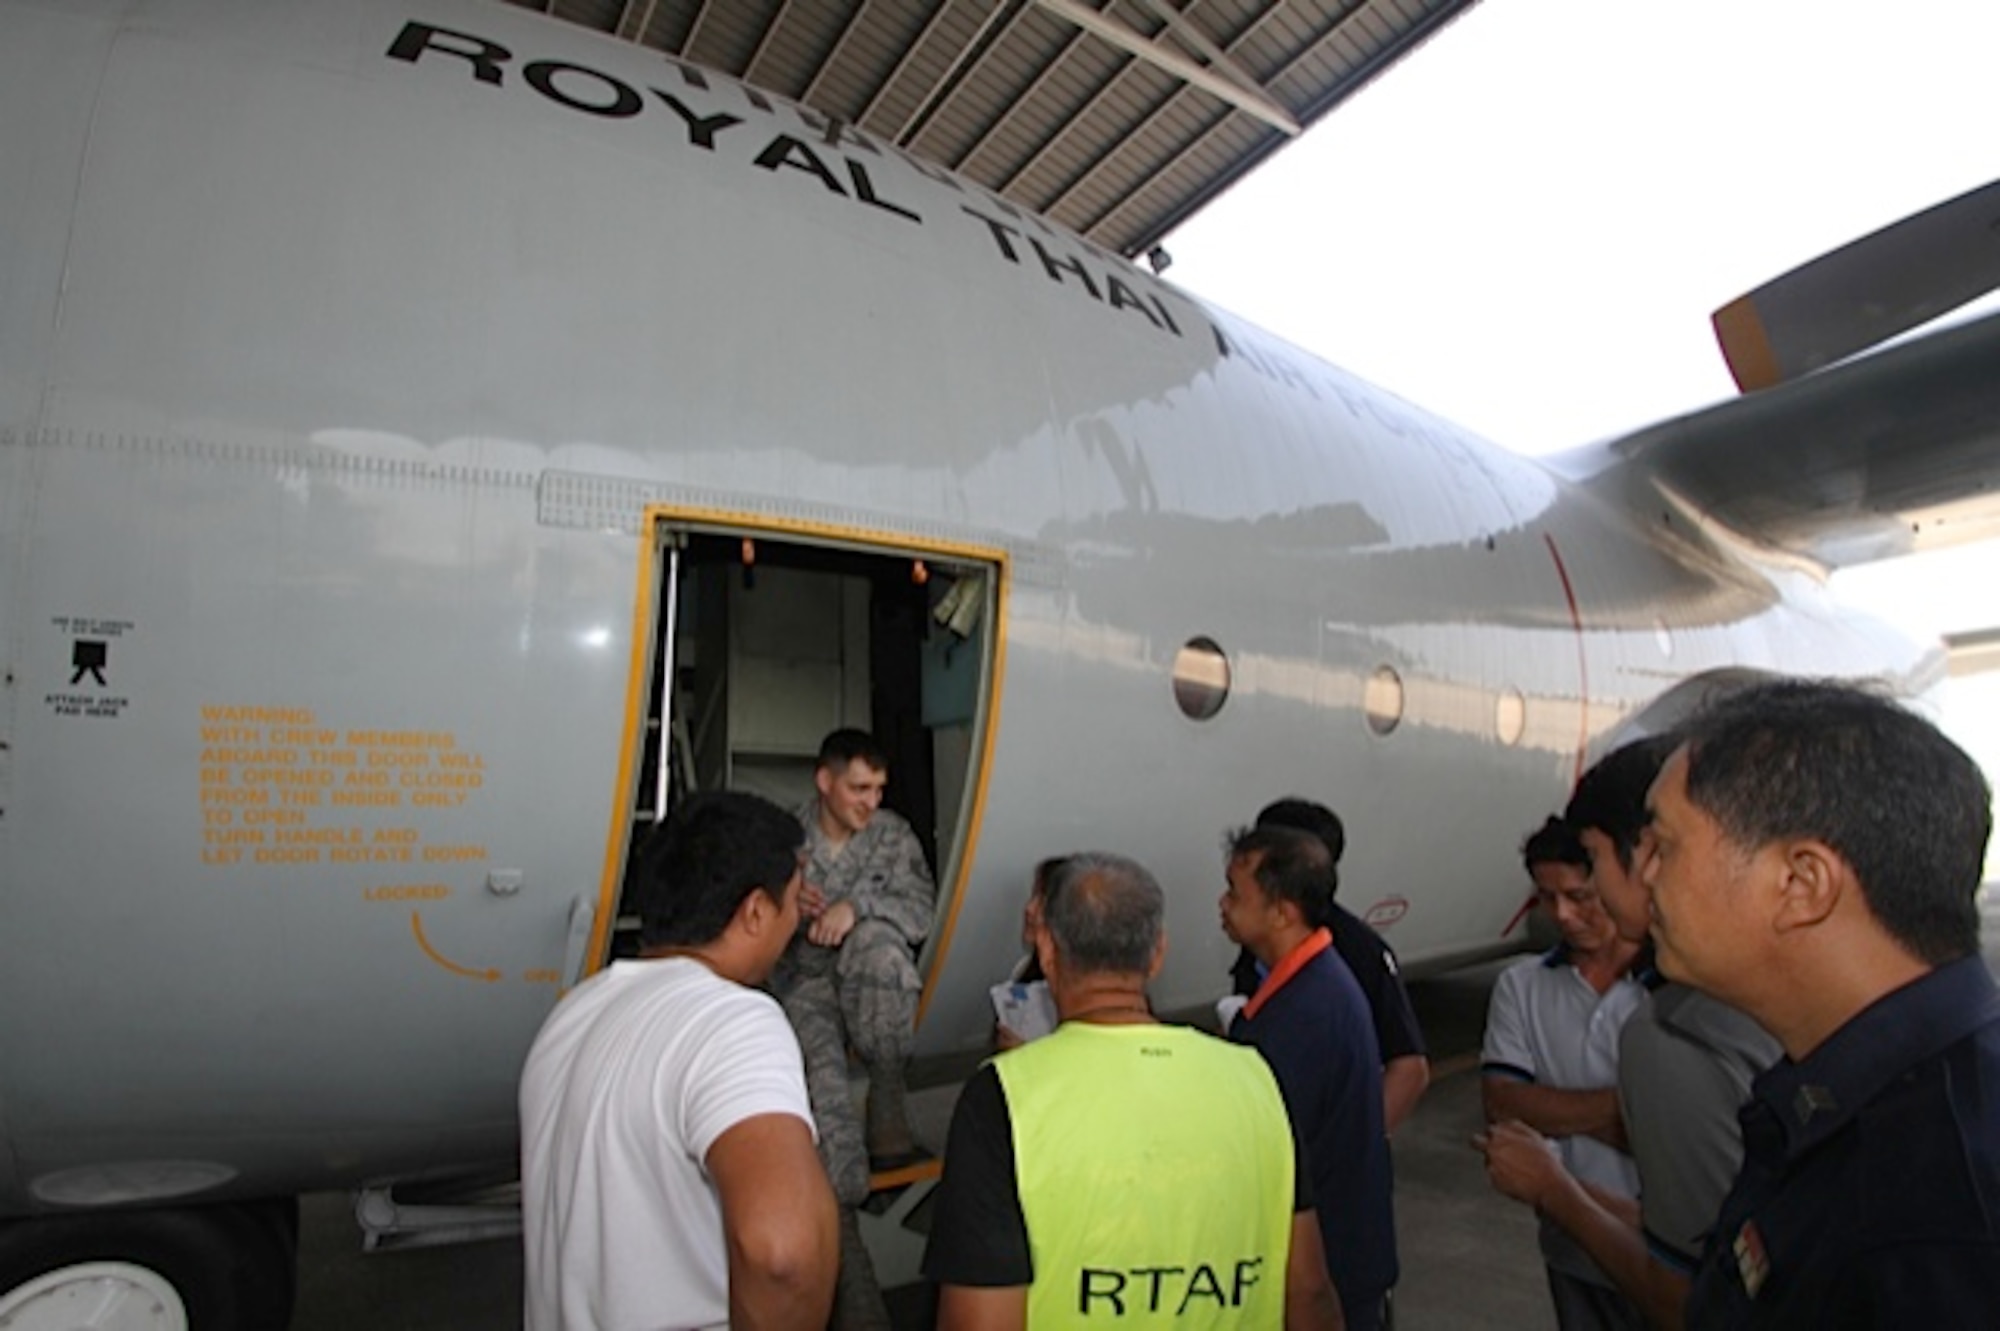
{"type": "Point", "coordinates": [1815, 856]}
{"type": "Point", "coordinates": [1406, 1064]}
{"type": "Point", "coordinates": [1310, 1022]}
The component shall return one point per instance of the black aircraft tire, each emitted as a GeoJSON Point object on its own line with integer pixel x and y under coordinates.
{"type": "Point", "coordinates": [227, 1268]}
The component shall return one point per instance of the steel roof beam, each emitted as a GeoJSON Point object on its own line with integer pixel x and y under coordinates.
{"type": "Point", "coordinates": [917, 121]}
{"type": "Point", "coordinates": [764, 40]}
{"type": "Point", "coordinates": [638, 34]}
{"type": "Point", "coordinates": [1405, 41]}
{"type": "Point", "coordinates": [847, 30]}
{"type": "Point", "coordinates": [1027, 95]}
{"type": "Point", "coordinates": [1251, 101]}
{"type": "Point", "coordinates": [1152, 118]}
{"type": "Point", "coordinates": [1191, 36]}
{"type": "Point", "coordinates": [902, 64]}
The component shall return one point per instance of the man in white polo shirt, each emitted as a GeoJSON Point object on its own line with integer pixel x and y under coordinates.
{"type": "Point", "coordinates": [1551, 1061]}
{"type": "Point", "coordinates": [668, 1172]}
{"type": "Point", "coordinates": [1685, 1064]}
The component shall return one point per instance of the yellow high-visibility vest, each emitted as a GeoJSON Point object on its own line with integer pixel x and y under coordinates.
{"type": "Point", "coordinates": [1155, 1171]}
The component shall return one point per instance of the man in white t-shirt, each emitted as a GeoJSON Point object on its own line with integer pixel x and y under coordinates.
{"type": "Point", "coordinates": [668, 1170]}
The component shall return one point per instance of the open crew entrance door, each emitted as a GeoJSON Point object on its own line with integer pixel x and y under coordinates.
{"type": "Point", "coordinates": [768, 636]}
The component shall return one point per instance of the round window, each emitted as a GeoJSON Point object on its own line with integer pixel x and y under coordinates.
{"type": "Point", "coordinates": [1201, 679]}
{"type": "Point", "coordinates": [1383, 699]}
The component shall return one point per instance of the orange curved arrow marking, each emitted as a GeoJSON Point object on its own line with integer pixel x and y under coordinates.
{"type": "Point", "coordinates": [417, 928]}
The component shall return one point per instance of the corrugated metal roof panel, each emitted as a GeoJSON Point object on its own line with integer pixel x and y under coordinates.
{"type": "Point", "coordinates": [1014, 94]}
{"type": "Point", "coordinates": [922, 70]}
{"type": "Point", "coordinates": [598, 14]}
{"type": "Point", "coordinates": [795, 47]}
{"type": "Point", "coordinates": [727, 33]}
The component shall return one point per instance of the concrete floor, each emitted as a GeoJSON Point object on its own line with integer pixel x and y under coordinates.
{"type": "Point", "coordinates": [1469, 1258]}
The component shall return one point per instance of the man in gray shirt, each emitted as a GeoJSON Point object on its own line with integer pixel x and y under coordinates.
{"type": "Point", "coordinates": [1685, 1064]}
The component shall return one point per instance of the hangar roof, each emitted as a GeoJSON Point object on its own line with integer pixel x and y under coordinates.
{"type": "Point", "coordinates": [1118, 119]}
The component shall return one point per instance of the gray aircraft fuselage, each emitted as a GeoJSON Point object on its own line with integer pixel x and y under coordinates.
{"type": "Point", "coordinates": [355, 360]}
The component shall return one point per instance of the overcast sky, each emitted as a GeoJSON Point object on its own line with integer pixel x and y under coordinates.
{"type": "Point", "coordinates": [1525, 225]}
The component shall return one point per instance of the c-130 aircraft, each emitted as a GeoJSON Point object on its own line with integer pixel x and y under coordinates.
{"type": "Point", "coordinates": [433, 443]}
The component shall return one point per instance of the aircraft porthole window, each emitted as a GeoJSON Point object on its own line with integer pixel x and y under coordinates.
{"type": "Point", "coordinates": [1664, 636]}
{"type": "Point", "coordinates": [1510, 717]}
{"type": "Point", "coordinates": [1201, 679]}
{"type": "Point", "coordinates": [1383, 700]}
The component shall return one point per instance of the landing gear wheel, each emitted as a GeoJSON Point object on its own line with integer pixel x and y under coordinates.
{"type": "Point", "coordinates": [95, 1296]}
{"type": "Point", "coordinates": [208, 1268]}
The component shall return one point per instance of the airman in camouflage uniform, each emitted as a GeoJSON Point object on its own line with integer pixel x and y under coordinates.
{"type": "Point", "coordinates": [849, 980]}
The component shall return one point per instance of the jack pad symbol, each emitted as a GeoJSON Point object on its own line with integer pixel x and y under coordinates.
{"type": "Point", "coordinates": [88, 657]}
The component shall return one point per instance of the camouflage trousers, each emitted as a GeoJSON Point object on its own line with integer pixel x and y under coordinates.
{"type": "Point", "coordinates": [867, 1000]}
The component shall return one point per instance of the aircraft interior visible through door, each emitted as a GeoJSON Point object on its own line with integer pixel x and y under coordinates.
{"type": "Point", "coordinates": [767, 640]}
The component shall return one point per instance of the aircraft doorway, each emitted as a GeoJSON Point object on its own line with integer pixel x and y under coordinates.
{"type": "Point", "coordinates": [767, 638]}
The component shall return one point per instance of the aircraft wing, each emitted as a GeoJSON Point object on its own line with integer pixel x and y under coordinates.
{"type": "Point", "coordinates": [1883, 455]}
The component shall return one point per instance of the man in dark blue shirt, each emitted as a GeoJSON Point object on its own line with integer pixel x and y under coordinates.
{"type": "Point", "coordinates": [1310, 1022]}
{"type": "Point", "coordinates": [1406, 1065]}
{"type": "Point", "coordinates": [1815, 855]}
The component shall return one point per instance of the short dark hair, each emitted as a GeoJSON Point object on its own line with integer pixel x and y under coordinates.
{"type": "Point", "coordinates": [843, 746]}
{"type": "Point", "coordinates": [1104, 914]}
{"type": "Point", "coordinates": [695, 869]}
{"type": "Point", "coordinates": [1309, 816]}
{"type": "Point", "coordinates": [1611, 797]}
{"type": "Point", "coordinates": [1292, 865]}
{"type": "Point", "coordinates": [1902, 804]}
{"type": "Point", "coordinates": [1554, 842]}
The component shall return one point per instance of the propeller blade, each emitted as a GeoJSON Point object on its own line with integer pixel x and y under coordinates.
{"type": "Point", "coordinates": [1865, 292]}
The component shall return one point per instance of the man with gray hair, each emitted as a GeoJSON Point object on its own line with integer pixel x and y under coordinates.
{"type": "Point", "coordinates": [1118, 1166]}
